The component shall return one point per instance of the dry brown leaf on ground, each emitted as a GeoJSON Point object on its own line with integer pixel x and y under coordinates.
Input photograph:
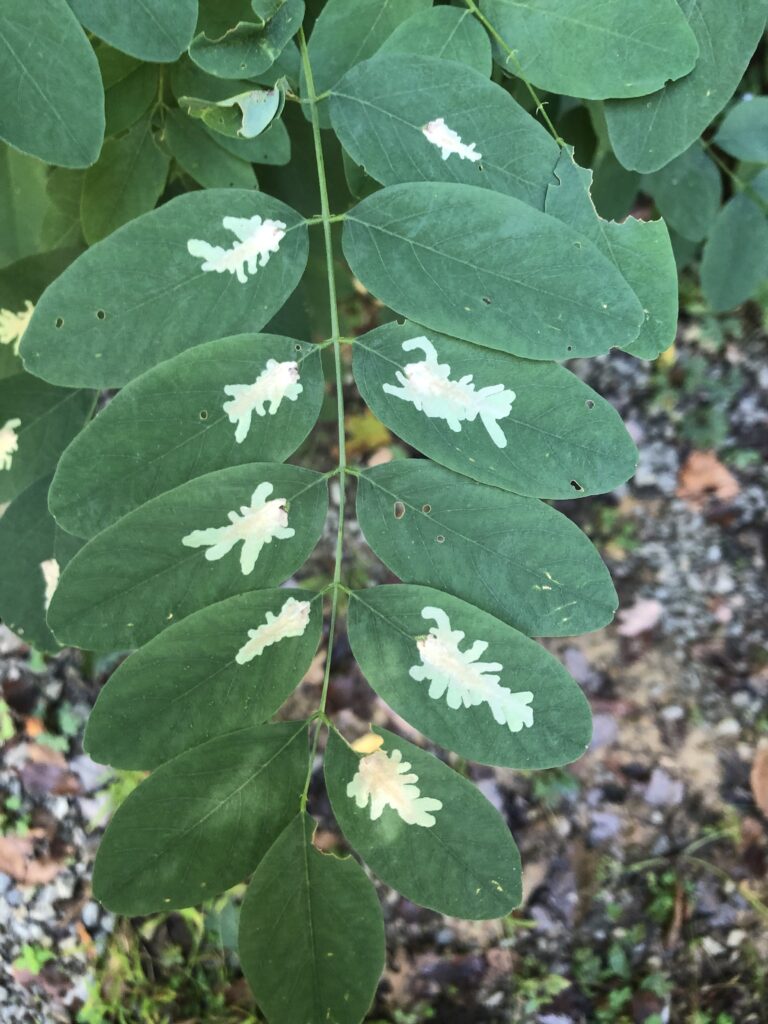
{"type": "Point", "coordinates": [17, 860]}
{"type": "Point", "coordinates": [702, 476]}
{"type": "Point", "coordinates": [758, 779]}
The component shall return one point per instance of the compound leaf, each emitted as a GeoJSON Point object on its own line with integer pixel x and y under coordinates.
{"type": "Point", "coordinates": [466, 680]}
{"type": "Point", "coordinates": [36, 422]}
{"type": "Point", "coordinates": [486, 546]}
{"type": "Point", "coordinates": [202, 821]}
{"type": "Point", "coordinates": [648, 132]}
{"type": "Point", "coordinates": [413, 118]}
{"type": "Point", "coordinates": [112, 314]}
{"type": "Point", "coordinates": [311, 937]}
{"type": "Point", "coordinates": [489, 269]}
{"type": "Point", "coordinates": [179, 420]}
{"type": "Point", "coordinates": [530, 427]}
{"type": "Point", "coordinates": [417, 841]}
{"type": "Point", "coordinates": [614, 48]}
{"type": "Point", "coordinates": [180, 552]}
{"type": "Point", "coordinates": [53, 104]}
{"type": "Point", "coordinates": [162, 699]}
{"type": "Point", "coordinates": [447, 32]}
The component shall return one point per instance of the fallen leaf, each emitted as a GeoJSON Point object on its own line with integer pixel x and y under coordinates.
{"type": "Point", "coordinates": [758, 779]}
{"type": "Point", "coordinates": [365, 433]}
{"type": "Point", "coordinates": [17, 859]}
{"type": "Point", "coordinates": [640, 618]}
{"type": "Point", "coordinates": [702, 476]}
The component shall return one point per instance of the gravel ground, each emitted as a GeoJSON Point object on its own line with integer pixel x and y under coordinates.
{"type": "Point", "coordinates": [644, 863]}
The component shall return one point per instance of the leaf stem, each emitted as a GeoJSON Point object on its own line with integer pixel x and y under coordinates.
{"type": "Point", "coordinates": [326, 218]}
{"type": "Point", "coordinates": [512, 59]}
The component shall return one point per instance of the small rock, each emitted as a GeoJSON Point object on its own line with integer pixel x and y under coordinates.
{"type": "Point", "coordinates": [663, 790]}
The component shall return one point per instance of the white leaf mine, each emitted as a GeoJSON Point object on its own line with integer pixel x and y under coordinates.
{"type": "Point", "coordinates": [51, 571]}
{"type": "Point", "coordinates": [290, 621]}
{"type": "Point", "coordinates": [257, 240]}
{"type": "Point", "coordinates": [9, 442]}
{"type": "Point", "coordinates": [255, 525]}
{"type": "Point", "coordinates": [383, 780]}
{"type": "Point", "coordinates": [462, 678]}
{"type": "Point", "coordinates": [275, 382]}
{"type": "Point", "coordinates": [428, 386]}
{"type": "Point", "coordinates": [13, 325]}
{"type": "Point", "coordinates": [448, 141]}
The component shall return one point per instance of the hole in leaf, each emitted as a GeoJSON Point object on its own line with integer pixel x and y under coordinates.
{"type": "Point", "coordinates": [399, 510]}
{"type": "Point", "coordinates": [569, 348]}
{"type": "Point", "coordinates": [297, 347]}
{"type": "Point", "coordinates": [426, 509]}
{"type": "Point", "coordinates": [589, 403]}
{"type": "Point", "coordinates": [576, 485]}
{"type": "Point", "coordinates": [59, 321]}
{"type": "Point", "coordinates": [487, 300]}
{"type": "Point", "coordinates": [100, 314]}
{"type": "Point", "coordinates": [203, 414]}
{"type": "Point", "coordinates": [480, 167]}
{"type": "Point", "coordinates": [440, 538]}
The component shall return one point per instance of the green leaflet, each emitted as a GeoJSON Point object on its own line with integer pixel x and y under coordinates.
{"type": "Point", "coordinates": [640, 250]}
{"type": "Point", "coordinates": [311, 937]}
{"type": "Point", "coordinates": [744, 132]}
{"type": "Point", "coordinates": [273, 146]}
{"type": "Point", "coordinates": [350, 31]}
{"type": "Point", "coordinates": [129, 88]}
{"type": "Point", "coordinates": [394, 115]}
{"type": "Point", "coordinates": [173, 423]}
{"type": "Point", "coordinates": [24, 203]}
{"type": "Point", "coordinates": [27, 533]}
{"type": "Point", "coordinates": [20, 286]}
{"type": "Point", "coordinates": [485, 546]}
{"type": "Point", "coordinates": [140, 575]}
{"type": "Point", "coordinates": [464, 863]}
{"type": "Point", "coordinates": [557, 439]}
{"type": "Point", "coordinates": [614, 188]}
{"type": "Point", "coordinates": [202, 821]}
{"type": "Point", "coordinates": [151, 30]}
{"type": "Point", "coordinates": [231, 48]}
{"type": "Point", "coordinates": [688, 192]}
{"type": "Point", "coordinates": [241, 115]}
{"type": "Point", "coordinates": [466, 680]}
{"type": "Point", "coordinates": [580, 48]}
{"type": "Point", "coordinates": [452, 33]}
{"type": "Point", "coordinates": [109, 316]}
{"type": "Point", "coordinates": [648, 132]}
{"type": "Point", "coordinates": [469, 262]}
{"type": "Point", "coordinates": [49, 69]}
{"type": "Point", "coordinates": [126, 181]}
{"type": "Point", "coordinates": [735, 260]}
{"type": "Point", "coordinates": [161, 700]}
{"type": "Point", "coordinates": [37, 422]}
{"type": "Point", "coordinates": [198, 153]}
{"type": "Point", "coordinates": [61, 224]}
